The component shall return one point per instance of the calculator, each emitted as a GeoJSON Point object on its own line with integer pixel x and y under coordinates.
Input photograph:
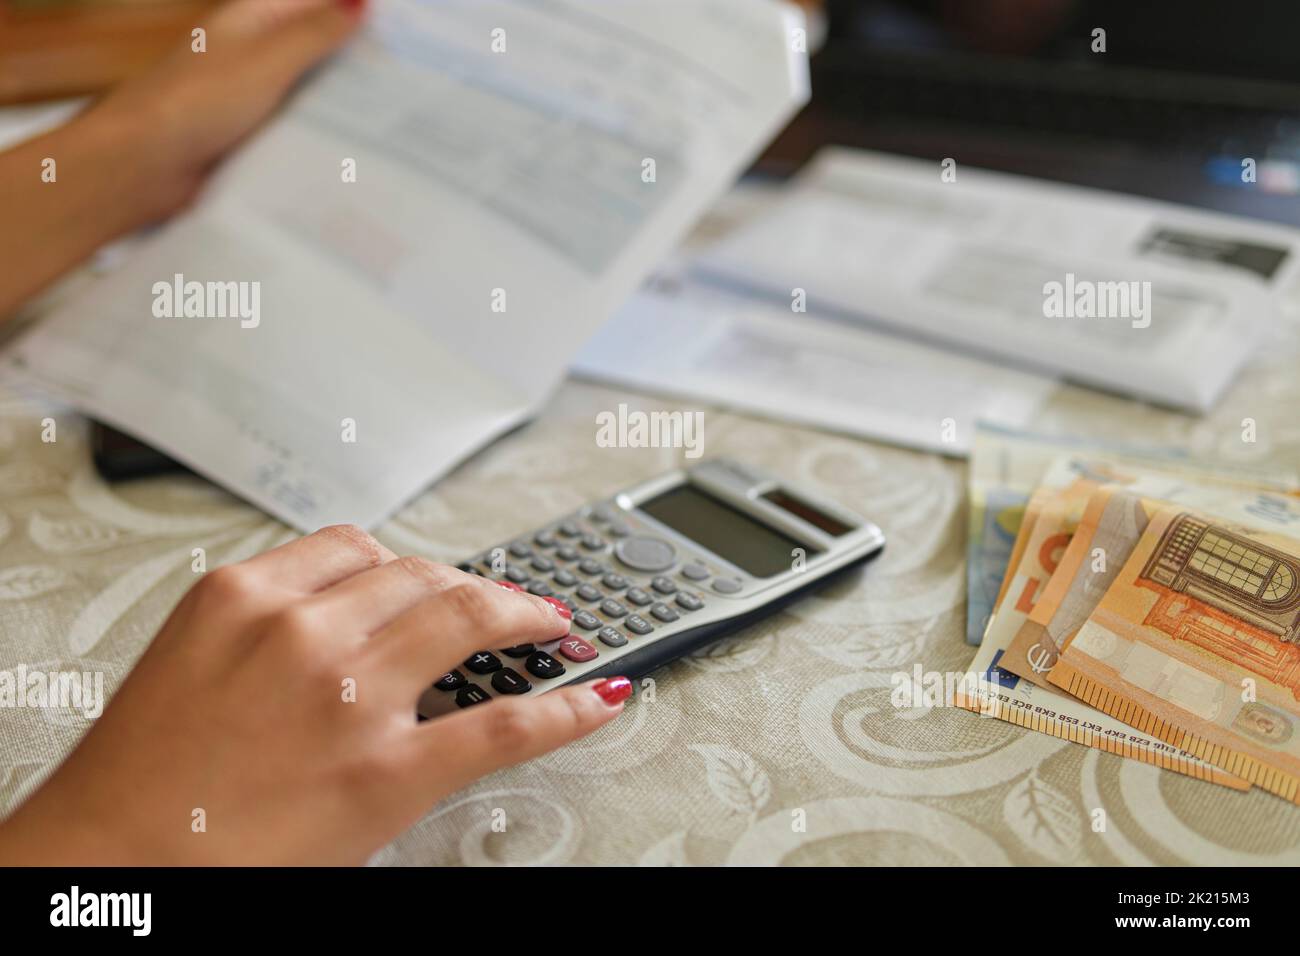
{"type": "Point", "coordinates": [655, 572]}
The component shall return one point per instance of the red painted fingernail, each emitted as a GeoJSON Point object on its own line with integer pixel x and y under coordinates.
{"type": "Point", "coordinates": [353, 5]}
{"type": "Point", "coordinates": [510, 585]}
{"type": "Point", "coordinates": [560, 606]}
{"type": "Point", "coordinates": [615, 690]}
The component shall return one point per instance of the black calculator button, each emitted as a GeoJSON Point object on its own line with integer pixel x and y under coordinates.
{"type": "Point", "coordinates": [637, 624]}
{"type": "Point", "coordinates": [593, 542]}
{"type": "Point", "coordinates": [726, 586]}
{"type": "Point", "coordinates": [520, 549]}
{"type": "Point", "coordinates": [611, 608]}
{"type": "Point", "coordinates": [643, 553]}
{"type": "Point", "coordinates": [688, 601]}
{"type": "Point", "coordinates": [615, 582]}
{"type": "Point", "coordinates": [519, 650]}
{"type": "Point", "coordinates": [663, 612]}
{"type": "Point", "coordinates": [540, 588]}
{"type": "Point", "coordinates": [542, 563]}
{"type": "Point", "coordinates": [638, 597]}
{"type": "Point", "coordinates": [578, 650]}
{"type": "Point", "coordinates": [542, 664]}
{"type": "Point", "coordinates": [611, 636]}
{"type": "Point", "coordinates": [484, 662]}
{"type": "Point", "coordinates": [508, 682]}
{"type": "Point", "coordinates": [664, 585]}
{"type": "Point", "coordinates": [516, 574]}
{"type": "Point", "coordinates": [450, 681]}
{"type": "Point", "coordinates": [695, 571]}
{"type": "Point", "coordinates": [544, 539]}
{"type": "Point", "coordinates": [566, 552]}
{"type": "Point", "coordinates": [586, 620]}
{"type": "Point", "coordinates": [618, 529]}
{"type": "Point", "coordinates": [468, 568]}
{"type": "Point", "coordinates": [590, 566]}
{"type": "Point", "coordinates": [589, 593]}
{"type": "Point", "coordinates": [470, 695]}
{"type": "Point", "coordinates": [565, 579]}
{"type": "Point", "coordinates": [569, 529]}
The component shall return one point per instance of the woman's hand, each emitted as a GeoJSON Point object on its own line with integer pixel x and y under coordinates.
{"type": "Point", "coordinates": [277, 704]}
{"type": "Point", "coordinates": [142, 152]}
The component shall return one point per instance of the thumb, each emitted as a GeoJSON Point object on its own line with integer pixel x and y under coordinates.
{"type": "Point", "coordinates": [454, 751]}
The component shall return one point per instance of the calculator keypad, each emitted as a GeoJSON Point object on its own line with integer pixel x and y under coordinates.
{"type": "Point", "coordinates": [623, 585]}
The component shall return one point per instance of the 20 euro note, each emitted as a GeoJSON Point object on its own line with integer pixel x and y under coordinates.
{"type": "Point", "coordinates": [992, 692]}
{"type": "Point", "coordinates": [1112, 523]}
{"type": "Point", "coordinates": [1197, 643]}
{"type": "Point", "coordinates": [1059, 505]}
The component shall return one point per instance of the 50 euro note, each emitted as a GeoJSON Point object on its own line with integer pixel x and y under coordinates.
{"type": "Point", "coordinates": [1113, 521]}
{"type": "Point", "coordinates": [1197, 643]}
{"type": "Point", "coordinates": [994, 693]}
{"type": "Point", "coordinates": [1049, 521]}
{"type": "Point", "coordinates": [1007, 466]}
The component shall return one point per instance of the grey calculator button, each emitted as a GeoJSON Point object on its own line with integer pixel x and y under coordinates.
{"type": "Point", "coordinates": [611, 608]}
{"type": "Point", "coordinates": [566, 552]}
{"type": "Point", "coordinates": [637, 624]}
{"type": "Point", "coordinates": [565, 579]}
{"type": "Point", "coordinates": [618, 529]}
{"type": "Point", "coordinates": [516, 574]}
{"type": "Point", "coordinates": [540, 588]}
{"type": "Point", "coordinates": [664, 585]}
{"type": "Point", "coordinates": [688, 601]}
{"type": "Point", "coordinates": [611, 636]}
{"type": "Point", "coordinates": [695, 571]}
{"type": "Point", "coordinates": [544, 539]}
{"type": "Point", "coordinates": [590, 566]}
{"type": "Point", "coordinates": [586, 620]}
{"type": "Point", "coordinates": [589, 593]}
{"type": "Point", "coordinates": [638, 597]}
{"type": "Point", "coordinates": [644, 553]}
{"type": "Point", "coordinates": [663, 612]}
{"type": "Point", "coordinates": [593, 542]}
{"type": "Point", "coordinates": [615, 582]}
{"type": "Point", "coordinates": [541, 563]}
{"type": "Point", "coordinates": [520, 550]}
{"type": "Point", "coordinates": [726, 586]}
{"type": "Point", "coordinates": [602, 513]}
{"type": "Point", "coordinates": [569, 529]}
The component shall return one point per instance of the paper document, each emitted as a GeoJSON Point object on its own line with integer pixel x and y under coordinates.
{"type": "Point", "coordinates": [520, 166]}
{"type": "Point", "coordinates": [697, 340]}
{"type": "Point", "coordinates": [1135, 296]}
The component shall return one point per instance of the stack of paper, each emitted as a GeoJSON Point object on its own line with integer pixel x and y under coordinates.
{"type": "Point", "coordinates": [325, 344]}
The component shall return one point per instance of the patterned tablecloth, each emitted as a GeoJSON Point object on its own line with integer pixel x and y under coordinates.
{"type": "Point", "coordinates": [780, 745]}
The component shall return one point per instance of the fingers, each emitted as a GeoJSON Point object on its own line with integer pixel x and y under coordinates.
{"type": "Point", "coordinates": [456, 750]}
{"type": "Point", "coordinates": [457, 615]}
{"type": "Point", "coordinates": [303, 33]}
{"type": "Point", "coordinates": [319, 560]}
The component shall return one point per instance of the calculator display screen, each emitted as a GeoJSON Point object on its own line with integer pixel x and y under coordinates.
{"type": "Point", "coordinates": [727, 532]}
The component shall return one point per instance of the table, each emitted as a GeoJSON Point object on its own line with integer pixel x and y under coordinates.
{"type": "Point", "coordinates": [777, 746]}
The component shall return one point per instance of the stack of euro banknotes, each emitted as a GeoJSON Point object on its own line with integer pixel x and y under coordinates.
{"type": "Point", "coordinates": [1139, 602]}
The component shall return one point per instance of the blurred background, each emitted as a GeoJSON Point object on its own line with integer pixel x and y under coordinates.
{"type": "Point", "coordinates": [1182, 91]}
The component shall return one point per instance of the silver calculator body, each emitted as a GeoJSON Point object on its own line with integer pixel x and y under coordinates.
{"type": "Point", "coordinates": [657, 571]}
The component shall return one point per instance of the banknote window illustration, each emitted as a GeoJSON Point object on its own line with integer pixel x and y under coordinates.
{"type": "Point", "coordinates": [1205, 572]}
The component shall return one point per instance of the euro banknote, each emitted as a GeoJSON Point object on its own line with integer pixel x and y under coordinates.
{"type": "Point", "coordinates": [994, 693]}
{"type": "Point", "coordinates": [1197, 643]}
{"type": "Point", "coordinates": [1112, 523]}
